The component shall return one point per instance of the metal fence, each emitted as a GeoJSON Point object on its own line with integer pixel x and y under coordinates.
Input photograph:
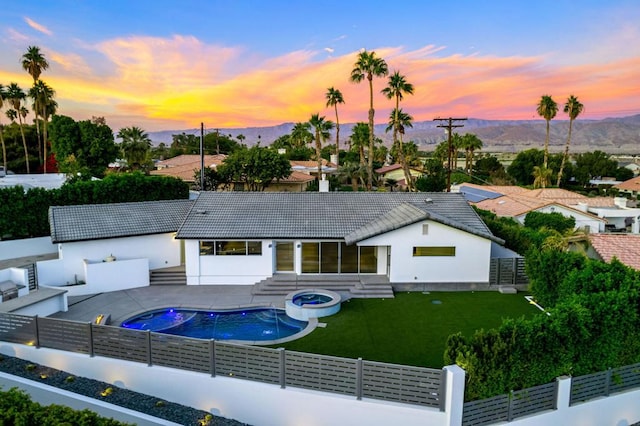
{"type": "Point", "coordinates": [511, 406]}
{"type": "Point", "coordinates": [604, 383]}
{"type": "Point", "coordinates": [507, 271]}
{"type": "Point", "coordinates": [355, 377]}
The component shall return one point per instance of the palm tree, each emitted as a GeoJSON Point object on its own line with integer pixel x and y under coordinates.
{"type": "Point", "coordinates": [541, 177]}
{"type": "Point", "coordinates": [397, 87]}
{"type": "Point", "coordinates": [354, 173]}
{"type": "Point", "coordinates": [398, 121]}
{"type": "Point", "coordinates": [369, 66]}
{"type": "Point", "coordinates": [359, 139]}
{"type": "Point", "coordinates": [547, 109]}
{"type": "Point", "coordinates": [34, 63]}
{"type": "Point", "coordinates": [15, 95]}
{"type": "Point", "coordinates": [573, 108]}
{"type": "Point", "coordinates": [301, 135]}
{"type": "Point", "coordinates": [4, 147]}
{"type": "Point", "coordinates": [321, 128]}
{"type": "Point", "coordinates": [135, 145]}
{"type": "Point", "coordinates": [334, 97]}
{"type": "Point", "coordinates": [42, 95]}
{"type": "Point", "coordinates": [470, 143]}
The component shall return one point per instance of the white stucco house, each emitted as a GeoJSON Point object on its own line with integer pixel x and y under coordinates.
{"type": "Point", "coordinates": [241, 238]}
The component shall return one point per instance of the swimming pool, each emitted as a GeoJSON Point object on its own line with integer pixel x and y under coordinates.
{"type": "Point", "coordinates": [247, 325]}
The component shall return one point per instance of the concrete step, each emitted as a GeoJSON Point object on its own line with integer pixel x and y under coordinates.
{"type": "Point", "coordinates": [167, 277]}
{"type": "Point", "coordinates": [507, 290]}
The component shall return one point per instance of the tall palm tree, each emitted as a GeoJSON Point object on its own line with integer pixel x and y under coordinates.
{"type": "Point", "coordinates": [369, 66]}
{"type": "Point", "coordinates": [547, 109]}
{"type": "Point", "coordinates": [42, 94]}
{"type": "Point", "coordinates": [321, 128]}
{"type": "Point", "coordinates": [135, 145]}
{"type": "Point", "coordinates": [398, 121]}
{"type": "Point", "coordinates": [4, 147]}
{"type": "Point", "coordinates": [34, 62]}
{"type": "Point", "coordinates": [47, 111]}
{"type": "Point", "coordinates": [301, 135]}
{"type": "Point", "coordinates": [470, 143]}
{"type": "Point", "coordinates": [397, 87]}
{"type": "Point", "coordinates": [334, 97]}
{"type": "Point", "coordinates": [15, 95]}
{"type": "Point", "coordinates": [573, 108]}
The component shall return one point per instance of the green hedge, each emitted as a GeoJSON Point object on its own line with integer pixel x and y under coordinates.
{"type": "Point", "coordinates": [17, 408]}
{"type": "Point", "coordinates": [25, 214]}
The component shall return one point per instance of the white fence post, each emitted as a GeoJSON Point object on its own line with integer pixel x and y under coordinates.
{"type": "Point", "coordinates": [563, 398]}
{"type": "Point", "coordinates": [454, 395]}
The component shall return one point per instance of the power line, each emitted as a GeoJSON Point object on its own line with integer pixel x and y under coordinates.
{"type": "Point", "coordinates": [449, 126]}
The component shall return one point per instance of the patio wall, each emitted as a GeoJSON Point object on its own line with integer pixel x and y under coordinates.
{"type": "Point", "coordinates": [27, 247]}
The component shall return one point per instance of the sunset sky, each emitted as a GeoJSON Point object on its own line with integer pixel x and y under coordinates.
{"type": "Point", "coordinates": [168, 65]}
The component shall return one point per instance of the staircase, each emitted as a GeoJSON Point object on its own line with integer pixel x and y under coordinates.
{"type": "Point", "coordinates": [168, 276]}
{"type": "Point", "coordinates": [348, 286]}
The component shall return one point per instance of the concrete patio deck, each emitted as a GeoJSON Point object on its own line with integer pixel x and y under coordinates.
{"type": "Point", "coordinates": [126, 303]}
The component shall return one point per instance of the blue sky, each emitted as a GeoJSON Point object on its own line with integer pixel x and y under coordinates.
{"type": "Point", "coordinates": [169, 65]}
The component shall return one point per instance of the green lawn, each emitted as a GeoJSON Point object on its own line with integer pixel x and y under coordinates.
{"type": "Point", "coordinates": [409, 329]}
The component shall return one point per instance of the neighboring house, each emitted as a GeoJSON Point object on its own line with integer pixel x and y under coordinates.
{"type": "Point", "coordinates": [594, 214]}
{"type": "Point", "coordinates": [631, 187]}
{"type": "Point", "coordinates": [624, 247]}
{"type": "Point", "coordinates": [45, 181]}
{"type": "Point", "coordinates": [634, 167]}
{"type": "Point", "coordinates": [185, 166]}
{"type": "Point", "coordinates": [242, 238]}
{"type": "Point", "coordinates": [139, 236]}
{"type": "Point", "coordinates": [395, 172]}
{"type": "Point", "coordinates": [236, 238]}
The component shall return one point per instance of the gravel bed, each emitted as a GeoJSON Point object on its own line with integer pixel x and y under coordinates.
{"type": "Point", "coordinates": [146, 404]}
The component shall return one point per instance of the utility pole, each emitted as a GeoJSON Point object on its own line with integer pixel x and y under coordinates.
{"type": "Point", "coordinates": [201, 156]}
{"type": "Point", "coordinates": [217, 142]}
{"type": "Point", "coordinates": [449, 126]}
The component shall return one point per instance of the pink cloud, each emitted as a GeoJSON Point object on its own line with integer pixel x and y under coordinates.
{"type": "Point", "coordinates": [38, 27]}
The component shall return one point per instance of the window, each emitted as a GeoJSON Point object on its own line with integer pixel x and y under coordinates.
{"type": "Point", "coordinates": [434, 251]}
{"type": "Point", "coordinates": [230, 248]}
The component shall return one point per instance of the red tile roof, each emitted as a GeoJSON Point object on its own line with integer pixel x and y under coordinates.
{"type": "Point", "coordinates": [625, 247]}
{"type": "Point", "coordinates": [632, 184]}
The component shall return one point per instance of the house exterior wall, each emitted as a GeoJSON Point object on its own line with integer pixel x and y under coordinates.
{"type": "Point", "coordinates": [221, 270]}
{"type": "Point", "coordinates": [470, 263]}
{"type": "Point", "coordinates": [582, 220]}
{"type": "Point", "coordinates": [162, 250]}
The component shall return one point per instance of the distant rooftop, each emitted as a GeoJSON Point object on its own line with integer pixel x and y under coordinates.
{"type": "Point", "coordinates": [46, 181]}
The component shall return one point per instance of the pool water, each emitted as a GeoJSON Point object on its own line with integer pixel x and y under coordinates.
{"type": "Point", "coordinates": [311, 299]}
{"type": "Point", "coordinates": [260, 324]}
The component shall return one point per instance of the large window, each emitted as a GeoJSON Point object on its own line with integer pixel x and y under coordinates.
{"type": "Point", "coordinates": [434, 251]}
{"type": "Point", "coordinates": [230, 248]}
{"type": "Point", "coordinates": [333, 257]}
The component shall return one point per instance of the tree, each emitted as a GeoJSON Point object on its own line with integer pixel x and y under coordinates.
{"type": "Point", "coordinates": [334, 97]}
{"type": "Point", "coordinates": [521, 168]}
{"type": "Point", "coordinates": [135, 145]}
{"type": "Point", "coordinates": [573, 108]}
{"type": "Point", "coordinates": [489, 168]}
{"type": "Point", "coordinates": [547, 109]}
{"type": "Point", "coordinates": [301, 135]}
{"type": "Point", "coordinates": [4, 147]}
{"type": "Point", "coordinates": [359, 139]}
{"type": "Point", "coordinates": [85, 147]}
{"type": "Point", "coordinates": [256, 167]}
{"type": "Point", "coordinates": [43, 106]}
{"type": "Point", "coordinates": [369, 66]}
{"type": "Point", "coordinates": [470, 143]}
{"type": "Point", "coordinates": [596, 164]}
{"type": "Point", "coordinates": [34, 63]}
{"type": "Point", "coordinates": [541, 176]}
{"type": "Point", "coordinates": [397, 87]}
{"type": "Point", "coordinates": [15, 95]}
{"type": "Point", "coordinates": [321, 128]}
{"type": "Point", "coordinates": [398, 121]}
{"type": "Point", "coordinates": [434, 178]}
{"type": "Point", "coordinates": [354, 172]}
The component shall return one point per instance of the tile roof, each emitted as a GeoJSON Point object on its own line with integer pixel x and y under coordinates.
{"type": "Point", "coordinates": [632, 184]}
{"type": "Point", "coordinates": [317, 215]}
{"type": "Point", "coordinates": [98, 221]}
{"type": "Point", "coordinates": [191, 159]}
{"type": "Point", "coordinates": [625, 247]}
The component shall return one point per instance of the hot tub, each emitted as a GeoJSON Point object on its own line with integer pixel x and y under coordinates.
{"type": "Point", "coordinates": [312, 303]}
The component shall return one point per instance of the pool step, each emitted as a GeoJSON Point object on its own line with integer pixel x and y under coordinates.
{"type": "Point", "coordinates": [347, 285]}
{"type": "Point", "coordinates": [168, 276]}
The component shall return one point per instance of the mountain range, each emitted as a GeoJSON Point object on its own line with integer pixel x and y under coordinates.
{"type": "Point", "coordinates": [611, 135]}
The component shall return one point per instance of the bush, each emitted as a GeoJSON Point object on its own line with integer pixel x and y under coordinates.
{"type": "Point", "coordinates": [555, 221]}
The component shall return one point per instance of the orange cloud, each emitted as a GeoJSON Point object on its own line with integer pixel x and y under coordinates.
{"type": "Point", "coordinates": [178, 82]}
{"type": "Point", "coordinates": [38, 27]}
